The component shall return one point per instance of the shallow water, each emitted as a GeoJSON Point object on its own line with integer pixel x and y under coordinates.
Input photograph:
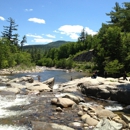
{"type": "Point", "coordinates": [60, 76]}
{"type": "Point", "coordinates": [17, 112]}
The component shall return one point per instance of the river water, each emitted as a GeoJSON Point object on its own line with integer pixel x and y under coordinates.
{"type": "Point", "coordinates": [60, 76]}
{"type": "Point", "coordinates": [16, 111]}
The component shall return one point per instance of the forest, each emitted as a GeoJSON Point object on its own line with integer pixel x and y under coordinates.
{"type": "Point", "coordinates": [111, 47]}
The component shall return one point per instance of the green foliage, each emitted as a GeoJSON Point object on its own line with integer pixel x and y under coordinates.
{"type": "Point", "coordinates": [120, 16]}
{"type": "Point", "coordinates": [46, 62]}
{"type": "Point", "coordinates": [113, 67]}
{"type": "Point", "coordinates": [111, 47]}
{"type": "Point", "coordinates": [8, 31]}
{"type": "Point", "coordinates": [11, 55]}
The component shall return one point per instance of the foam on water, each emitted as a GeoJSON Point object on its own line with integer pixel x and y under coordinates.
{"type": "Point", "coordinates": [114, 107]}
{"type": "Point", "coordinates": [9, 101]}
{"type": "Point", "coordinates": [56, 86]}
{"type": "Point", "coordinates": [88, 104]}
{"type": "Point", "coordinates": [60, 95]}
{"type": "Point", "coordinates": [2, 87]}
{"type": "Point", "coordinates": [10, 127]}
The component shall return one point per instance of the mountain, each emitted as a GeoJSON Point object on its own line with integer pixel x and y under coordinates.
{"type": "Point", "coordinates": [43, 47]}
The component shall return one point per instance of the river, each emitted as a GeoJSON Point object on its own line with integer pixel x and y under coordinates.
{"type": "Point", "coordinates": [60, 76]}
{"type": "Point", "coordinates": [16, 111]}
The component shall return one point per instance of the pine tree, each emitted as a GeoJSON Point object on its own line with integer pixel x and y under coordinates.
{"type": "Point", "coordinates": [8, 31]}
{"type": "Point", "coordinates": [24, 40]}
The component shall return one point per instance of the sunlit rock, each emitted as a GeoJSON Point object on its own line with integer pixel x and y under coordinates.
{"type": "Point", "coordinates": [50, 82]}
{"type": "Point", "coordinates": [37, 125]}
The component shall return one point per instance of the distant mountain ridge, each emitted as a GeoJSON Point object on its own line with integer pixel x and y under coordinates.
{"type": "Point", "coordinates": [55, 44]}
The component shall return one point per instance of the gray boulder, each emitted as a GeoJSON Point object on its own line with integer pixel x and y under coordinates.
{"type": "Point", "coordinates": [63, 102]}
{"type": "Point", "coordinates": [50, 82]}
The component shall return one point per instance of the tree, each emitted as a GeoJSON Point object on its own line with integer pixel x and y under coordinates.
{"type": "Point", "coordinates": [114, 15]}
{"type": "Point", "coordinates": [113, 68]}
{"type": "Point", "coordinates": [82, 36]}
{"type": "Point", "coordinates": [121, 16]}
{"type": "Point", "coordinates": [109, 48]}
{"type": "Point", "coordinates": [24, 40]}
{"type": "Point", "coordinates": [8, 31]}
{"type": "Point", "coordinates": [16, 40]}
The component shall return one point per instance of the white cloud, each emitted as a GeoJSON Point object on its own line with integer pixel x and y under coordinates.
{"type": "Point", "coordinates": [39, 39]}
{"type": "Point", "coordinates": [28, 10]}
{"type": "Point", "coordinates": [37, 20]}
{"type": "Point", "coordinates": [89, 31]}
{"type": "Point", "coordinates": [2, 18]}
{"type": "Point", "coordinates": [74, 36]}
{"type": "Point", "coordinates": [50, 36]}
{"type": "Point", "coordinates": [42, 40]}
{"type": "Point", "coordinates": [73, 31]}
{"type": "Point", "coordinates": [34, 36]}
{"type": "Point", "coordinates": [68, 29]}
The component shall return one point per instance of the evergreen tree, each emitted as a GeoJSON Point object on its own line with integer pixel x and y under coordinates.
{"type": "Point", "coordinates": [24, 40]}
{"type": "Point", "coordinates": [8, 31]}
{"type": "Point", "coordinates": [82, 36]}
{"type": "Point", "coordinates": [121, 16]}
{"type": "Point", "coordinates": [114, 15]}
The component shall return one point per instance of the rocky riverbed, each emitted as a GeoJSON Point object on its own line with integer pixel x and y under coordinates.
{"type": "Point", "coordinates": [28, 104]}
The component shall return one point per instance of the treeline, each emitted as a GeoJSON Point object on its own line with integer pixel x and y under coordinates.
{"type": "Point", "coordinates": [111, 47]}
{"type": "Point", "coordinates": [11, 53]}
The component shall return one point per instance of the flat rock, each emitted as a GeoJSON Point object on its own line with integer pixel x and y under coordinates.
{"type": "Point", "coordinates": [12, 90]}
{"type": "Point", "coordinates": [105, 113]}
{"type": "Point", "coordinates": [39, 87]}
{"type": "Point", "coordinates": [37, 125]}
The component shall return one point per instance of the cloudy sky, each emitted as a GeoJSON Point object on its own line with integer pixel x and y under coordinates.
{"type": "Point", "coordinates": [44, 21]}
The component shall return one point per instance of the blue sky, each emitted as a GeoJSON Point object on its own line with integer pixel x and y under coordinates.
{"type": "Point", "coordinates": [44, 21]}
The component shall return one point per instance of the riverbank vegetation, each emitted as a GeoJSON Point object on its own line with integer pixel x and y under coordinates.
{"type": "Point", "coordinates": [111, 47]}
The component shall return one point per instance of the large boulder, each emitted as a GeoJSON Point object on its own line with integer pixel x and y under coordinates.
{"type": "Point", "coordinates": [105, 114]}
{"type": "Point", "coordinates": [73, 97]}
{"type": "Point", "coordinates": [39, 87]}
{"type": "Point", "coordinates": [107, 89]}
{"type": "Point", "coordinates": [50, 82]}
{"type": "Point", "coordinates": [89, 120]}
{"type": "Point", "coordinates": [63, 102]}
{"type": "Point", "coordinates": [71, 86]}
